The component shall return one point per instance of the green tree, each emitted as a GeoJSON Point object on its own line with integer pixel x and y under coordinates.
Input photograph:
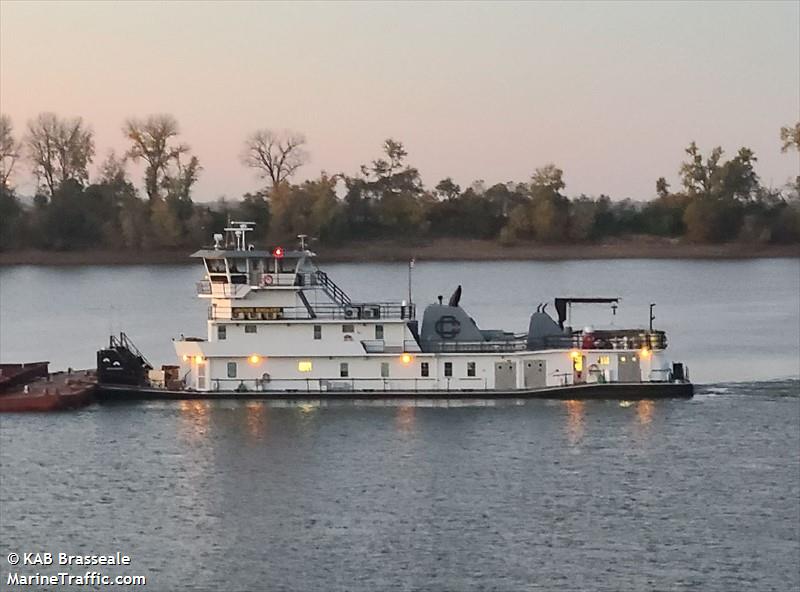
{"type": "Point", "coordinates": [447, 189]}
{"type": "Point", "coordinates": [311, 208]}
{"type": "Point", "coordinates": [166, 228]}
{"type": "Point", "coordinates": [718, 193]}
{"type": "Point", "coordinates": [387, 198]}
{"type": "Point", "coordinates": [10, 219]}
{"type": "Point", "coordinates": [254, 207]}
{"type": "Point", "coordinates": [545, 216]}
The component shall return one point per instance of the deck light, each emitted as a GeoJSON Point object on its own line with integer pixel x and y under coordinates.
{"type": "Point", "coordinates": [198, 359]}
{"type": "Point", "coordinates": [574, 354]}
{"type": "Point", "coordinates": [406, 359]}
{"type": "Point", "coordinates": [278, 253]}
{"type": "Point", "coordinates": [255, 359]}
{"type": "Point", "coordinates": [645, 353]}
{"type": "Point", "coordinates": [185, 358]}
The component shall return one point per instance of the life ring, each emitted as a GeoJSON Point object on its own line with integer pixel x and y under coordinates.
{"type": "Point", "coordinates": [267, 279]}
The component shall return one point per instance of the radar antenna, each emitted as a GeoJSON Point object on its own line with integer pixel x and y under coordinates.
{"type": "Point", "coordinates": [239, 231]}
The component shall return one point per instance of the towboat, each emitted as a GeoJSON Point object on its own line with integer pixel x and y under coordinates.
{"type": "Point", "coordinates": [280, 327]}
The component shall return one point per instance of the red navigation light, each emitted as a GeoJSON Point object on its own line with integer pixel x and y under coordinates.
{"type": "Point", "coordinates": [278, 253]}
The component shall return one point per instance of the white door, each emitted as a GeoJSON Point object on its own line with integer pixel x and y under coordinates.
{"type": "Point", "coordinates": [201, 376]}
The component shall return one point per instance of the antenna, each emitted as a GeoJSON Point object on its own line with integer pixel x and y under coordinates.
{"type": "Point", "coordinates": [302, 238]}
{"type": "Point", "coordinates": [239, 230]}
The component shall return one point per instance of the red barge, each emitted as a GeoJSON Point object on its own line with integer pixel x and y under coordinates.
{"type": "Point", "coordinates": [30, 387]}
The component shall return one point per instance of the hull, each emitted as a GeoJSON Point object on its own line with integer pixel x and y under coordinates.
{"type": "Point", "coordinates": [18, 402]}
{"type": "Point", "coordinates": [621, 391]}
{"type": "Point", "coordinates": [36, 390]}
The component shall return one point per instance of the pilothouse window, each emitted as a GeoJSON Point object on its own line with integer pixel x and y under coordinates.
{"type": "Point", "coordinates": [216, 265]}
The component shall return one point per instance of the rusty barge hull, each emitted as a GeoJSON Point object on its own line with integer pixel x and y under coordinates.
{"type": "Point", "coordinates": [30, 388]}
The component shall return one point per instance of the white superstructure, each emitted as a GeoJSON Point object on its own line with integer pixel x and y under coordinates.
{"type": "Point", "coordinates": [277, 323]}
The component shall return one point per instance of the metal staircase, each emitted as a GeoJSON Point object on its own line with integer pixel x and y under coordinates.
{"type": "Point", "coordinates": [333, 291]}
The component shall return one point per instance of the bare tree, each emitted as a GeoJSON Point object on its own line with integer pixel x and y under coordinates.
{"type": "Point", "coordinates": [150, 140]}
{"type": "Point", "coordinates": [276, 155]}
{"type": "Point", "coordinates": [9, 150]}
{"type": "Point", "coordinates": [59, 149]}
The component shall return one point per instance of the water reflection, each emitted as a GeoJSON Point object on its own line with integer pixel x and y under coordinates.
{"type": "Point", "coordinates": [576, 411]}
{"type": "Point", "coordinates": [194, 417]}
{"type": "Point", "coordinates": [307, 408]}
{"type": "Point", "coordinates": [256, 419]}
{"type": "Point", "coordinates": [405, 418]}
{"type": "Point", "coordinates": [644, 411]}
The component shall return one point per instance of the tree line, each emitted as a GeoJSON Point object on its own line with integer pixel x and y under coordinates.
{"type": "Point", "coordinates": [719, 199]}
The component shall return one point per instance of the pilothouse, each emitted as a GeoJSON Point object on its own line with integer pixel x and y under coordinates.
{"type": "Point", "coordinates": [279, 326]}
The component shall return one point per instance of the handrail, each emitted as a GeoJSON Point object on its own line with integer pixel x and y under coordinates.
{"type": "Point", "coordinates": [332, 290]}
{"type": "Point", "coordinates": [342, 383]}
{"type": "Point", "coordinates": [605, 339]}
{"type": "Point", "coordinates": [356, 312]}
{"type": "Point", "coordinates": [124, 342]}
{"type": "Point", "coordinates": [473, 346]}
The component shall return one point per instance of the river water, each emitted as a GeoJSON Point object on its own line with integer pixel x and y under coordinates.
{"type": "Point", "coordinates": [701, 494]}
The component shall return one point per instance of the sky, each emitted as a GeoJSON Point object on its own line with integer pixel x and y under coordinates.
{"type": "Point", "coordinates": [611, 93]}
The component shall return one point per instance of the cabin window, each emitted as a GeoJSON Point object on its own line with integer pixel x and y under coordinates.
{"type": "Point", "coordinates": [250, 329]}
{"type": "Point", "coordinates": [385, 369]}
{"type": "Point", "coordinates": [470, 368]}
{"type": "Point", "coordinates": [344, 370]}
{"type": "Point", "coordinates": [304, 366]}
{"type": "Point", "coordinates": [448, 369]}
{"type": "Point", "coordinates": [237, 265]}
{"type": "Point", "coordinates": [222, 332]}
{"type": "Point", "coordinates": [232, 369]}
{"type": "Point", "coordinates": [378, 331]}
{"type": "Point", "coordinates": [348, 329]}
{"type": "Point", "coordinates": [424, 369]}
{"type": "Point", "coordinates": [604, 360]}
{"type": "Point", "coordinates": [317, 331]}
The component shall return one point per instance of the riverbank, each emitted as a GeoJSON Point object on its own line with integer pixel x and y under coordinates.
{"type": "Point", "coordinates": [437, 250]}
